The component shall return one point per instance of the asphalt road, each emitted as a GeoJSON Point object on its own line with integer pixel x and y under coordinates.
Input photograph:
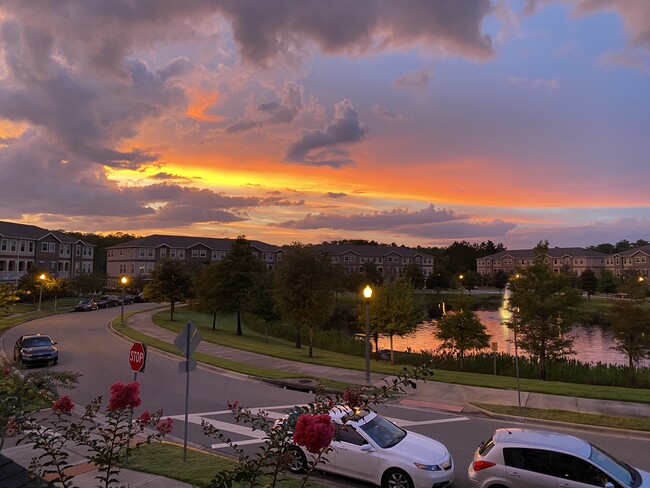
{"type": "Point", "coordinates": [101, 357]}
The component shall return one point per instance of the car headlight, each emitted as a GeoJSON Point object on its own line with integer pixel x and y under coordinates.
{"type": "Point", "coordinates": [25, 353]}
{"type": "Point", "coordinates": [428, 467]}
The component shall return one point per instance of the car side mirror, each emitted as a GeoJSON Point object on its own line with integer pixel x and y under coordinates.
{"type": "Point", "coordinates": [54, 343]}
{"type": "Point", "coordinates": [368, 448]}
{"type": "Point", "coordinates": [609, 484]}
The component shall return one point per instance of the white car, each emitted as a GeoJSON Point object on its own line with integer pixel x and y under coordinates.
{"type": "Point", "coordinates": [369, 447]}
{"type": "Point", "coordinates": [523, 458]}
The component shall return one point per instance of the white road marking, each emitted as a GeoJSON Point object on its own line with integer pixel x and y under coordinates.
{"type": "Point", "coordinates": [257, 436]}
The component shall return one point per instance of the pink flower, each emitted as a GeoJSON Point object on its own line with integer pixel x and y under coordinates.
{"type": "Point", "coordinates": [145, 417]}
{"type": "Point", "coordinates": [63, 405]}
{"type": "Point", "coordinates": [315, 432]}
{"type": "Point", "coordinates": [165, 426]}
{"type": "Point", "coordinates": [6, 371]}
{"type": "Point", "coordinates": [124, 396]}
{"type": "Point", "coordinates": [352, 397]}
{"type": "Point", "coordinates": [11, 428]}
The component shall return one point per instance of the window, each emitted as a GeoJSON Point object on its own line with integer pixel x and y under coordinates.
{"type": "Point", "coordinates": [150, 252]}
{"type": "Point", "coordinates": [537, 460]}
{"type": "Point", "coordinates": [142, 253]}
{"type": "Point", "coordinates": [347, 433]}
{"type": "Point", "coordinates": [163, 252]}
{"type": "Point", "coordinates": [3, 245]}
{"type": "Point", "coordinates": [181, 254]}
{"type": "Point", "coordinates": [202, 253]}
{"type": "Point", "coordinates": [12, 245]}
{"type": "Point", "coordinates": [44, 247]}
{"type": "Point", "coordinates": [172, 253]}
{"type": "Point", "coordinates": [575, 469]}
{"type": "Point", "coordinates": [77, 251]}
{"type": "Point", "coordinates": [215, 254]}
{"type": "Point", "coordinates": [22, 246]}
{"type": "Point", "coordinates": [195, 253]}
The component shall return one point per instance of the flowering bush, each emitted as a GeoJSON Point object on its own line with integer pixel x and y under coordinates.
{"type": "Point", "coordinates": [124, 396]}
{"type": "Point", "coordinates": [315, 432]}
{"type": "Point", "coordinates": [63, 405]}
{"type": "Point", "coordinates": [108, 438]}
{"type": "Point", "coordinates": [353, 397]}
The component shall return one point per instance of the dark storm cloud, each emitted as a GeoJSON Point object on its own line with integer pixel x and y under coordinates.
{"type": "Point", "coordinates": [330, 194]}
{"type": "Point", "coordinates": [320, 147]}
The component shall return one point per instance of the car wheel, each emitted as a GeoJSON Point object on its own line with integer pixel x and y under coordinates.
{"type": "Point", "coordinates": [396, 478]}
{"type": "Point", "coordinates": [297, 462]}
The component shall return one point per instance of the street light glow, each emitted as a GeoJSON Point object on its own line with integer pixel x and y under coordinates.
{"type": "Point", "coordinates": [367, 292]}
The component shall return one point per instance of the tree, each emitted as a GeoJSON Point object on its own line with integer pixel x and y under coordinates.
{"type": "Point", "coordinates": [234, 277]}
{"type": "Point", "coordinates": [588, 282]}
{"type": "Point", "coordinates": [393, 310]}
{"type": "Point", "coordinates": [607, 282]}
{"type": "Point", "coordinates": [171, 283]}
{"type": "Point", "coordinates": [414, 274]}
{"type": "Point", "coordinates": [500, 280]}
{"type": "Point", "coordinates": [470, 280]}
{"type": "Point", "coordinates": [631, 330]}
{"type": "Point", "coordinates": [7, 298]}
{"type": "Point", "coordinates": [462, 331]}
{"type": "Point", "coordinates": [372, 274]}
{"type": "Point", "coordinates": [205, 292]}
{"type": "Point", "coordinates": [634, 285]}
{"type": "Point", "coordinates": [439, 279]}
{"type": "Point", "coordinates": [544, 307]}
{"type": "Point", "coordinates": [304, 288]}
{"type": "Point", "coordinates": [57, 287]}
{"type": "Point", "coordinates": [259, 299]}
{"type": "Point", "coordinates": [88, 283]}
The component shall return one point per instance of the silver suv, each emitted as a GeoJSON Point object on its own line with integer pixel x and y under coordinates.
{"type": "Point", "coordinates": [523, 458]}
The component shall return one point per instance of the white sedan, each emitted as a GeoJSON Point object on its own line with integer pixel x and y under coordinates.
{"type": "Point", "coordinates": [369, 447]}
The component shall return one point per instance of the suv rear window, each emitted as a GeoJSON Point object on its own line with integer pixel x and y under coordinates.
{"type": "Point", "coordinates": [486, 446]}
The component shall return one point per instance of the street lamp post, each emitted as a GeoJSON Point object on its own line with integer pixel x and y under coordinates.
{"type": "Point", "coordinates": [367, 294]}
{"type": "Point", "coordinates": [123, 280]}
{"type": "Point", "coordinates": [40, 294]}
{"type": "Point", "coordinates": [461, 284]}
{"type": "Point", "coordinates": [514, 323]}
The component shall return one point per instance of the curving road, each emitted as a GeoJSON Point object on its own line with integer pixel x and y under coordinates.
{"type": "Point", "coordinates": [101, 357]}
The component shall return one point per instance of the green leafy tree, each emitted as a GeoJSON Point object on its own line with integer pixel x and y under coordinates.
{"type": "Point", "coordinates": [89, 283]}
{"type": "Point", "coordinates": [58, 287]}
{"type": "Point", "coordinates": [393, 311]}
{"type": "Point", "coordinates": [607, 282]}
{"type": "Point", "coordinates": [7, 298]}
{"type": "Point", "coordinates": [305, 283]}
{"type": "Point", "coordinates": [461, 331]}
{"type": "Point", "coordinates": [500, 280]}
{"type": "Point", "coordinates": [544, 307]}
{"type": "Point", "coordinates": [631, 330]}
{"type": "Point", "coordinates": [171, 283]}
{"type": "Point", "coordinates": [588, 282]}
{"type": "Point", "coordinates": [471, 280]}
{"type": "Point", "coordinates": [439, 279]}
{"type": "Point", "coordinates": [204, 288]}
{"type": "Point", "coordinates": [634, 285]}
{"type": "Point", "coordinates": [371, 273]}
{"type": "Point", "coordinates": [234, 277]}
{"type": "Point", "coordinates": [260, 300]}
{"type": "Point", "coordinates": [414, 274]}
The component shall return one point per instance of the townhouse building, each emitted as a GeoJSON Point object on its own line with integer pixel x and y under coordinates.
{"type": "Point", "coordinates": [636, 260]}
{"type": "Point", "coordinates": [390, 260]}
{"type": "Point", "coordinates": [573, 259]}
{"type": "Point", "coordinates": [26, 247]}
{"type": "Point", "coordinates": [138, 258]}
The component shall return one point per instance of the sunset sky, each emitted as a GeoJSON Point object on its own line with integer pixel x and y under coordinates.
{"type": "Point", "coordinates": [419, 122]}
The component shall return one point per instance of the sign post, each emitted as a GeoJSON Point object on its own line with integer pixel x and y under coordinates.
{"type": "Point", "coordinates": [137, 358]}
{"type": "Point", "coordinates": [187, 341]}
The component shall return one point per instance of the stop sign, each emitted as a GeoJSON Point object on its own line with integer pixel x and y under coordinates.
{"type": "Point", "coordinates": [137, 356]}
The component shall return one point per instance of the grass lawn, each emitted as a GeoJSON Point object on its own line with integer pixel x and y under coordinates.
{"type": "Point", "coordinates": [570, 417]}
{"type": "Point", "coordinates": [166, 459]}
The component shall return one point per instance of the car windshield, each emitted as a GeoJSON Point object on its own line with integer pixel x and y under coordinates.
{"type": "Point", "coordinates": [383, 432]}
{"type": "Point", "coordinates": [613, 466]}
{"type": "Point", "coordinates": [37, 342]}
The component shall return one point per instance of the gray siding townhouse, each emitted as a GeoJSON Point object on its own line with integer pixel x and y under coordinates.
{"type": "Point", "coordinates": [26, 247]}
{"type": "Point", "coordinates": [390, 261]}
{"type": "Point", "coordinates": [575, 259]}
{"type": "Point", "coordinates": [140, 256]}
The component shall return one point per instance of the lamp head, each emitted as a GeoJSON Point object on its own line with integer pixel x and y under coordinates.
{"type": "Point", "coordinates": [42, 277]}
{"type": "Point", "coordinates": [367, 292]}
{"type": "Point", "coordinates": [124, 280]}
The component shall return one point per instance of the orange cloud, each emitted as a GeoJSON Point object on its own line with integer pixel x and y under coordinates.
{"type": "Point", "coordinates": [200, 102]}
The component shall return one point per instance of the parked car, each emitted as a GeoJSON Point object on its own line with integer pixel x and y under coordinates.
{"type": "Point", "coordinates": [523, 458]}
{"type": "Point", "coordinates": [369, 447]}
{"type": "Point", "coordinates": [33, 349]}
{"type": "Point", "coordinates": [140, 298]}
{"type": "Point", "coordinates": [107, 301]}
{"type": "Point", "coordinates": [86, 305]}
{"type": "Point", "coordinates": [128, 300]}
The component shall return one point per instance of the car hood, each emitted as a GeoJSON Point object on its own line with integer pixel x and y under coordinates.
{"type": "Point", "coordinates": [422, 449]}
{"type": "Point", "coordinates": [39, 349]}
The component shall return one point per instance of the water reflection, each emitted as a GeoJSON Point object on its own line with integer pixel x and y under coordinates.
{"type": "Point", "coordinates": [590, 343]}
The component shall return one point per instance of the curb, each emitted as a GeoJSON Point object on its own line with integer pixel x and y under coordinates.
{"type": "Point", "coordinates": [637, 434]}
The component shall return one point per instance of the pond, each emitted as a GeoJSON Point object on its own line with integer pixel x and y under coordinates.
{"type": "Point", "coordinates": [591, 343]}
